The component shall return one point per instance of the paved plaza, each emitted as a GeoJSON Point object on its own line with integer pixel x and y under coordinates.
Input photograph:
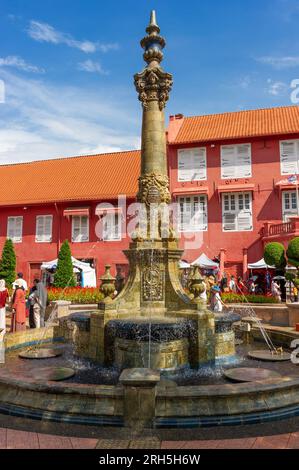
{"type": "Point", "coordinates": [15, 439]}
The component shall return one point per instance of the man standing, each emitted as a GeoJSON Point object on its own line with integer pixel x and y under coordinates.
{"type": "Point", "coordinates": [40, 298]}
{"type": "Point", "coordinates": [20, 281]}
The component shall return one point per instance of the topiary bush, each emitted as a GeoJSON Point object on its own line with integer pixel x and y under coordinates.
{"type": "Point", "coordinates": [293, 252]}
{"type": "Point", "coordinates": [64, 276]}
{"type": "Point", "coordinates": [8, 263]}
{"type": "Point", "coordinates": [274, 255]}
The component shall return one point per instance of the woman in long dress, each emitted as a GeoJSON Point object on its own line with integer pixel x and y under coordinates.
{"type": "Point", "coordinates": [3, 299]}
{"type": "Point", "coordinates": [18, 321]}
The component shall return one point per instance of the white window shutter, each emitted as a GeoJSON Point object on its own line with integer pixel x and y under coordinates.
{"type": "Point", "coordinates": [244, 221]}
{"type": "Point", "coordinates": [288, 158]}
{"type": "Point", "coordinates": [15, 228]}
{"type": "Point", "coordinates": [84, 229]}
{"type": "Point", "coordinates": [243, 161]}
{"type": "Point", "coordinates": [40, 229]}
{"type": "Point", "coordinates": [192, 164]}
{"type": "Point", "coordinates": [227, 161]}
{"type": "Point", "coordinates": [76, 229]}
{"type": "Point", "coordinates": [48, 221]}
{"type": "Point", "coordinates": [10, 228]}
{"type": "Point", "coordinates": [229, 222]}
{"type": "Point", "coordinates": [183, 168]}
{"type": "Point", "coordinates": [199, 164]}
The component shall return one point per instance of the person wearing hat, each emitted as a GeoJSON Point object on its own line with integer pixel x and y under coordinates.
{"type": "Point", "coordinates": [216, 301]}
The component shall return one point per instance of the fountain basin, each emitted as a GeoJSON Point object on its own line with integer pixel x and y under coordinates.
{"type": "Point", "coordinates": [159, 343]}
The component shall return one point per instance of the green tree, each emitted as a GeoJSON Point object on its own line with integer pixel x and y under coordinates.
{"type": "Point", "coordinates": [274, 255]}
{"type": "Point", "coordinates": [64, 276]}
{"type": "Point", "coordinates": [8, 263]}
{"type": "Point", "coordinates": [293, 252]}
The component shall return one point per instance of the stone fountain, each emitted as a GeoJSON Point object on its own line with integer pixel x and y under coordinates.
{"type": "Point", "coordinates": [153, 322]}
{"type": "Point", "coordinates": [152, 327]}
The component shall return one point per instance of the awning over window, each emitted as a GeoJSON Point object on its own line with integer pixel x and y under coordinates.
{"type": "Point", "coordinates": [191, 191]}
{"type": "Point", "coordinates": [287, 183]}
{"type": "Point", "coordinates": [79, 211]}
{"type": "Point", "coordinates": [108, 210]}
{"type": "Point", "coordinates": [235, 188]}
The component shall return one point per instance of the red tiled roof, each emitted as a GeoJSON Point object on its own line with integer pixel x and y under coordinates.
{"type": "Point", "coordinates": [91, 177]}
{"type": "Point", "coordinates": [241, 124]}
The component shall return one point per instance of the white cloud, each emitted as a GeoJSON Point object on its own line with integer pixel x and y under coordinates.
{"type": "Point", "coordinates": [92, 67]}
{"type": "Point", "coordinates": [19, 63]}
{"type": "Point", "coordinates": [40, 120]}
{"type": "Point", "coordinates": [44, 32]}
{"type": "Point", "coordinates": [245, 82]}
{"type": "Point", "coordinates": [276, 88]}
{"type": "Point", "coordinates": [280, 62]}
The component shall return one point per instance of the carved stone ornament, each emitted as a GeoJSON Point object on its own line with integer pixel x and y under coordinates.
{"type": "Point", "coordinates": [153, 84]}
{"type": "Point", "coordinates": [153, 189]}
{"type": "Point", "coordinates": [152, 283]}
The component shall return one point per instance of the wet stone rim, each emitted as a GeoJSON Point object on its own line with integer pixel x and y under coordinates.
{"type": "Point", "coordinates": [156, 330]}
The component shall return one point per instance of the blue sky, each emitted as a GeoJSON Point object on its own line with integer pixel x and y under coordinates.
{"type": "Point", "coordinates": [67, 67]}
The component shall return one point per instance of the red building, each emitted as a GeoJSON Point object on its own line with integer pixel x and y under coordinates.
{"type": "Point", "coordinates": [235, 167]}
{"type": "Point", "coordinates": [228, 172]}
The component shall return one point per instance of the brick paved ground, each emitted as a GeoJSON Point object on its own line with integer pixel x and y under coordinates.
{"type": "Point", "coordinates": [15, 439]}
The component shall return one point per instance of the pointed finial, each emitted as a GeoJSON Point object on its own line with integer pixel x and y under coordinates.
{"type": "Point", "coordinates": [153, 27]}
{"type": "Point", "coordinates": [153, 20]}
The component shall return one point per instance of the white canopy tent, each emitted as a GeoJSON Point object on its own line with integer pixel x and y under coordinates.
{"type": "Point", "coordinates": [204, 262]}
{"type": "Point", "coordinates": [261, 264]}
{"type": "Point", "coordinates": [88, 273]}
{"type": "Point", "coordinates": [184, 265]}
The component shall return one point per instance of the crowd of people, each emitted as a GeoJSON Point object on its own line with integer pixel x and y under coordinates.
{"type": "Point", "coordinates": [23, 303]}
{"type": "Point", "coordinates": [255, 285]}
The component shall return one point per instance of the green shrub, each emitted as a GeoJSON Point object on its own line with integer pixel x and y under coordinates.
{"type": "Point", "coordinates": [8, 263]}
{"type": "Point", "coordinates": [231, 298]}
{"type": "Point", "coordinates": [274, 255]}
{"type": "Point", "coordinates": [64, 276]}
{"type": "Point", "coordinates": [293, 252]}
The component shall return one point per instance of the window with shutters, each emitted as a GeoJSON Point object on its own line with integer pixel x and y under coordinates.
{"type": "Point", "coordinates": [289, 157]}
{"type": "Point", "coordinates": [15, 228]}
{"type": "Point", "coordinates": [112, 227]}
{"type": "Point", "coordinates": [192, 164]}
{"type": "Point", "coordinates": [237, 212]}
{"type": "Point", "coordinates": [236, 161]}
{"type": "Point", "coordinates": [289, 205]}
{"type": "Point", "coordinates": [43, 232]}
{"type": "Point", "coordinates": [80, 228]}
{"type": "Point", "coordinates": [193, 215]}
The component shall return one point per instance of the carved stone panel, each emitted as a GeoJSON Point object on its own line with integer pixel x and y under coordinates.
{"type": "Point", "coordinates": [153, 283]}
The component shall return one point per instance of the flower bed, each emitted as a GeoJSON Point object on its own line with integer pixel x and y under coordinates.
{"type": "Point", "coordinates": [231, 298]}
{"type": "Point", "coordinates": [76, 295]}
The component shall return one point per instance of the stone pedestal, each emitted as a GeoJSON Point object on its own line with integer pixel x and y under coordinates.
{"type": "Point", "coordinates": [97, 337]}
{"type": "Point", "coordinates": [202, 340]}
{"type": "Point", "coordinates": [139, 397]}
{"type": "Point", "coordinates": [293, 314]}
